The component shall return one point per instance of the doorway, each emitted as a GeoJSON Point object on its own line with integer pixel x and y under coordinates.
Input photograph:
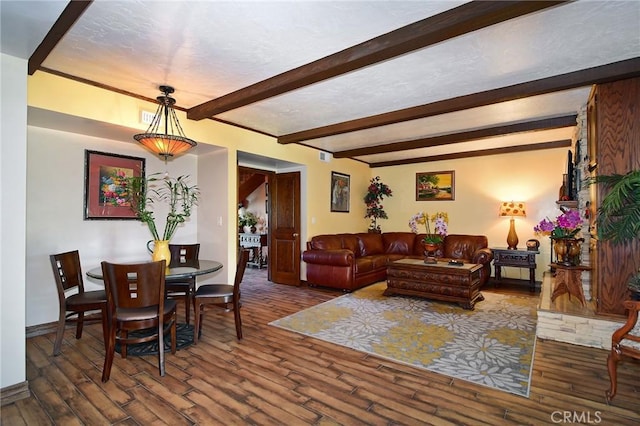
{"type": "Point", "coordinates": [271, 188]}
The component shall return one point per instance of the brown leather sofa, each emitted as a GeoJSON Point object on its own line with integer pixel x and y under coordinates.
{"type": "Point", "coordinates": [352, 261]}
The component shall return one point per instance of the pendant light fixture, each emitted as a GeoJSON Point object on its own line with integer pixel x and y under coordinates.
{"type": "Point", "coordinates": [173, 141]}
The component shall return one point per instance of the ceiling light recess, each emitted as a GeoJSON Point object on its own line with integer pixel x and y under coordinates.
{"type": "Point", "coordinates": [173, 141]}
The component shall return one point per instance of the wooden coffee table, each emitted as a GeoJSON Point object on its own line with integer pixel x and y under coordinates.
{"type": "Point", "coordinates": [439, 281]}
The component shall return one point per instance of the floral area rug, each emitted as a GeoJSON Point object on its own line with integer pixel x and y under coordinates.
{"type": "Point", "coordinates": [492, 345]}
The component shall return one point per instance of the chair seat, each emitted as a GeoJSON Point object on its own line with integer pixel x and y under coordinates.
{"type": "Point", "coordinates": [88, 297]}
{"type": "Point", "coordinates": [215, 290]}
{"type": "Point", "coordinates": [141, 314]}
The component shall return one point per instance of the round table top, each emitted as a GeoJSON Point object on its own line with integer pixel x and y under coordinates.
{"type": "Point", "coordinates": [202, 267]}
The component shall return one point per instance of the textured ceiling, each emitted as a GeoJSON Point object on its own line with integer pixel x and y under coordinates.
{"type": "Point", "coordinates": [208, 49]}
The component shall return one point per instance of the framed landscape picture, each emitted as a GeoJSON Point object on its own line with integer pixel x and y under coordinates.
{"type": "Point", "coordinates": [340, 192]}
{"type": "Point", "coordinates": [435, 186]}
{"type": "Point", "coordinates": [105, 190]}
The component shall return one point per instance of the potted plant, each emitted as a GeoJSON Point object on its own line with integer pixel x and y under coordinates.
{"type": "Point", "coordinates": [248, 219]}
{"type": "Point", "coordinates": [181, 197]}
{"type": "Point", "coordinates": [618, 217]}
{"type": "Point", "coordinates": [373, 200]}
{"type": "Point", "coordinates": [432, 239]}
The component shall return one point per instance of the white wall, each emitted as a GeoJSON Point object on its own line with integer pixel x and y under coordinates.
{"type": "Point", "coordinates": [214, 224]}
{"type": "Point", "coordinates": [55, 219]}
{"type": "Point", "coordinates": [13, 157]}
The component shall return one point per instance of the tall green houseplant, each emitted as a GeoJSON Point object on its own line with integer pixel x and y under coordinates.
{"type": "Point", "coordinates": [179, 195]}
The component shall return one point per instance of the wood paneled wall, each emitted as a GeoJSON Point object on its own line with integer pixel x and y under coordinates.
{"type": "Point", "coordinates": [617, 134]}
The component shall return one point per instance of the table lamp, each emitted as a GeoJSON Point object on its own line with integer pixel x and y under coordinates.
{"type": "Point", "coordinates": [512, 209]}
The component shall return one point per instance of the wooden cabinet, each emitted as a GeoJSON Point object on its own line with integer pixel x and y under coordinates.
{"type": "Point", "coordinates": [613, 115]}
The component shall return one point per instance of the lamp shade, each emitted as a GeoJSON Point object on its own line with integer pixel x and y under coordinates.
{"type": "Point", "coordinates": [512, 208]}
{"type": "Point", "coordinates": [173, 141]}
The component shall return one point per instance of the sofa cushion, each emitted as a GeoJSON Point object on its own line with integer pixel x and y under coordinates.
{"type": "Point", "coordinates": [398, 242]}
{"type": "Point", "coordinates": [363, 265]}
{"type": "Point", "coordinates": [370, 243]}
{"type": "Point", "coordinates": [350, 242]}
{"type": "Point", "coordinates": [463, 246]}
{"type": "Point", "coordinates": [326, 242]}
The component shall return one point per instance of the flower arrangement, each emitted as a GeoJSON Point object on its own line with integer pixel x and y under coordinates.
{"type": "Point", "coordinates": [176, 191]}
{"type": "Point", "coordinates": [248, 219]}
{"type": "Point", "coordinates": [567, 225]}
{"type": "Point", "coordinates": [373, 199]}
{"type": "Point", "coordinates": [440, 228]}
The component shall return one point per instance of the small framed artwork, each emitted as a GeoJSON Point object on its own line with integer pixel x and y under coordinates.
{"type": "Point", "coordinates": [340, 192]}
{"type": "Point", "coordinates": [435, 186]}
{"type": "Point", "coordinates": [105, 189]}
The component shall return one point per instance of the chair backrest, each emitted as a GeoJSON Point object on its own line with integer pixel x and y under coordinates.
{"type": "Point", "coordinates": [67, 271]}
{"type": "Point", "coordinates": [184, 255]}
{"type": "Point", "coordinates": [243, 258]}
{"type": "Point", "coordinates": [134, 285]}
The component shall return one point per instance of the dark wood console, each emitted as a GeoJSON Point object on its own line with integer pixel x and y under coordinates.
{"type": "Point", "coordinates": [518, 259]}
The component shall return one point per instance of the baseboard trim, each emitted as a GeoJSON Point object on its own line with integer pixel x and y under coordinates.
{"type": "Point", "coordinates": [14, 393]}
{"type": "Point", "coordinates": [40, 329]}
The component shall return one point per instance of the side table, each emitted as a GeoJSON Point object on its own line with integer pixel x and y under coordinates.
{"type": "Point", "coordinates": [569, 280]}
{"type": "Point", "coordinates": [518, 259]}
{"type": "Point", "coordinates": [254, 242]}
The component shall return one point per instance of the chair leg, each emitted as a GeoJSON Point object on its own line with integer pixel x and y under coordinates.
{"type": "Point", "coordinates": [187, 305]}
{"type": "Point", "coordinates": [196, 326]}
{"type": "Point", "coordinates": [612, 367]}
{"type": "Point", "coordinates": [110, 350]}
{"type": "Point", "coordinates": [79, 325]}
{"type": "Point", "coordinates": [161, 347]}
{"type": "Point", "coordinates": [123, 344]}
{"type": "Point", "coordinates": [62, 321]}
{"type": "Point", "coordinates": [238, 320]}
{"type": "Point", "coordinates": [174, 333]}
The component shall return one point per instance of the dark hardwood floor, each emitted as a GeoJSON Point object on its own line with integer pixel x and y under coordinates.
{"type": "Point", "coordinates": [275, 377]}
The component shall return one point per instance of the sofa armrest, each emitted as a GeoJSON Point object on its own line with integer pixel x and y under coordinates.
{"type": "Point", "coordinates": [482, 256]}
{"type": "Point", "coordinates": [342, 257]}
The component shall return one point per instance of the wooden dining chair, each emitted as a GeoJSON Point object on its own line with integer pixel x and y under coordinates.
{"type": "Point", "coordinates": [183, 288]}
{"type": "Point", "coordinates": [624, 341]}
{"type": "Point", "coordinates": [136, 301]}
{"type": "Point", "coordinates": [221, 296]}
{"type": "Point", "coordinates": [68, 275]}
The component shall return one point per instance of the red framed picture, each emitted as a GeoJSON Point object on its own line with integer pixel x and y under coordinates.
{"type": "Point", "coordinates": [105, 189]}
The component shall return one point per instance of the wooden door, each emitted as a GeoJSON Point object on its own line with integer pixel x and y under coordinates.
{"type": "Point", "coordinates": [284, 228]}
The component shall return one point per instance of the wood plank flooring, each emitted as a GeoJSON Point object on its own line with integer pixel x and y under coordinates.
{"type": "Point", "coordinates": [275, 377]}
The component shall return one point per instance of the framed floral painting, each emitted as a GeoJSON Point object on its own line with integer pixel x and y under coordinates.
{"type": "Point", "coordinates": [340, 192]}
{"type": "Point", "coordinates": [105, 189]}
{"type": "Point", "coordinates": [435, 186]}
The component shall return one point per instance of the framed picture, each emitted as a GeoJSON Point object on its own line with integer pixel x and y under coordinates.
{"type": "Point", "coordinates": [435, 186]}
{"type": "Point", "coordinates": [340, 192]}
{"type": "Point", "coordinates": [105, 191]}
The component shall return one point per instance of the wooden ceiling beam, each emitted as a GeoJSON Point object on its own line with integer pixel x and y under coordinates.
{"type": "Point", "coordinates": [435, 29]}
{"type": "Point", "coordinates": [479, 153]}
{"type": "Point", "coordinates": [488, 132]}
{"type": "Point", "coordinates": [65, 21]}
{"type": "Point", "coordinates": [597, 75]}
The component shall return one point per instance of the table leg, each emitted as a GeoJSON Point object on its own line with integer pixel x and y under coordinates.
{"type": "Point", "coordinates": [498, 275]}
{"type": "Point", "coordinates": [532, 280]}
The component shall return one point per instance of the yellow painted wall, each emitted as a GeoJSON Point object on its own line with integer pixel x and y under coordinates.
{"type": "Point", "coordinates": [480, 183]}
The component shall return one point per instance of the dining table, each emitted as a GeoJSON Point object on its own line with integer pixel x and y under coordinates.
{"type": "Point", "coordinates": [201, 267]}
